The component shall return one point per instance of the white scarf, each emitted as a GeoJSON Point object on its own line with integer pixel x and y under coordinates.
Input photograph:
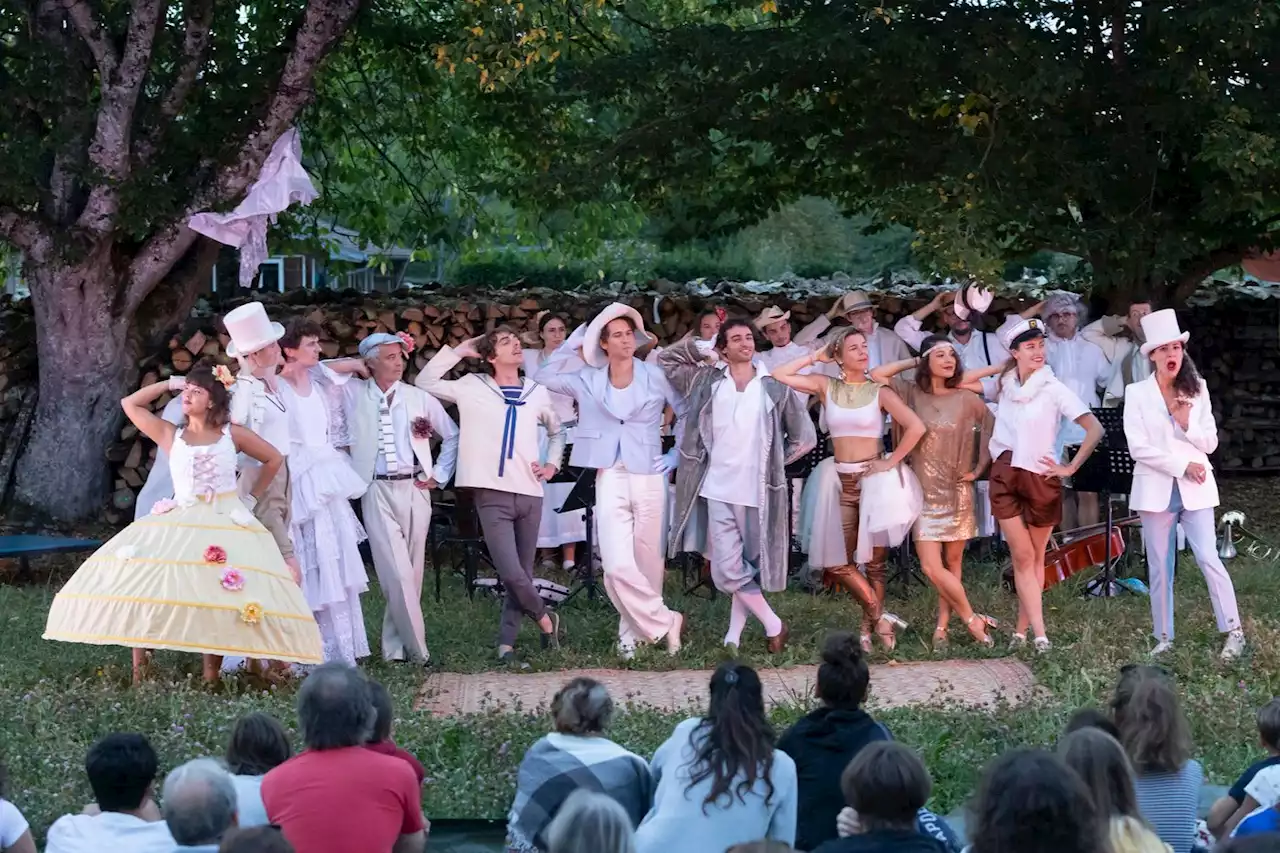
{"type": "Point", "coordinates": [1019, 393]}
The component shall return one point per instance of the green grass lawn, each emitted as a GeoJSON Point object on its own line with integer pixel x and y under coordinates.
{"type": "Point", "coordinates": [57, 698]}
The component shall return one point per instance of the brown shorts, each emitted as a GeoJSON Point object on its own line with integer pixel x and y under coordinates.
{"type": "Point", "coordinates": [1018, 493]}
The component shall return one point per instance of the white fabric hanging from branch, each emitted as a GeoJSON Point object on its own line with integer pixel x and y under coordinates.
{"type": "Point", "coordinates": [281, 182]}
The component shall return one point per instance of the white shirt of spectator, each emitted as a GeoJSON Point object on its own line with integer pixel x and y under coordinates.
{"type": "Point", "coordinates": [123, 833]}
{"type": "Point", "coordinates": [737, 428]}
{"type": "Point", "coordinates": [12, 824]}
{"type": "Point", "coordinates": [1028, 417]}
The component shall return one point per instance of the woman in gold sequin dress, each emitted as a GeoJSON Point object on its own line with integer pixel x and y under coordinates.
{"type": "Point", "coordinates": [947, 461]}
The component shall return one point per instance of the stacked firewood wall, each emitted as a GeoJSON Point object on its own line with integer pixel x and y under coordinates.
{"type": "Point", "coordinates": [1236, 343]}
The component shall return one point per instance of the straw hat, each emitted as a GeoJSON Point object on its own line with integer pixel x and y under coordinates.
{"type": "Point", "coordinates": [854, 300]}
{"type": "Point", "coordinates": [769, 316]}
{"type": "Point", "coordinates": [592, 353]}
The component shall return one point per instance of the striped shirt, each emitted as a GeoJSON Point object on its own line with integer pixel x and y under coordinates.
{"type": "Point", "coordinates": [1170, 803]}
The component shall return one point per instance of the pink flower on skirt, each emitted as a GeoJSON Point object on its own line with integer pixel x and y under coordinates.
{"type": "Point", "coordinates": [232, 580]}
{"type": "Point", "coordinates": [421, 428]}
{"type": "Point", "coordinates": [215, 554]}
{"type": "Point", "coordinates": [163, 505]}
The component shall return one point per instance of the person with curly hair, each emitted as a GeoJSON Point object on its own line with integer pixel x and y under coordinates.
{"type": "Point", "coordinates": [1029, 801]}
{"type": "Point", "coordinates": [721, 779]}
{"type": "Point", "coordinates": [201, 573]}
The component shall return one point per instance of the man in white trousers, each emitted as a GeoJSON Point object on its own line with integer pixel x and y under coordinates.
{"type": "Point", "coordinates": [392, 424]}
{"type": "Point", "coordinates": [620, 405]}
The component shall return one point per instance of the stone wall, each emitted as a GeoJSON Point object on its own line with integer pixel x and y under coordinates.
{"type": "Point", "coordinates": [1235, 340]}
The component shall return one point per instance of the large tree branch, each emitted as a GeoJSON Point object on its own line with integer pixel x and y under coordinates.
{"type": "Point", "coordinates": [1197, 269]}
{"type": "Point", "coordinates": [323, 24]}
{"type": "Point", "coordinates": [25, 232]}
{"type": "Point", "coordinates": [109, 150]}
{"type": "Point", "coordinates": [195, 49]}
{"type": "Point", "coordinates": [93, 34]}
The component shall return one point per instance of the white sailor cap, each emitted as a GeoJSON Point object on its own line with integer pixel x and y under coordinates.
{"type": "Point", "coordinates": [1020, 332]}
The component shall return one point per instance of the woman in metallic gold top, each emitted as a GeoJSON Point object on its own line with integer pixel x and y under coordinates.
{"type": "Point", "coordinates": [952, 454]}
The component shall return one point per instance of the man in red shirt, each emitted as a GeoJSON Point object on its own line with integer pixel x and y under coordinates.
{"type": "Point", "coordinates": [337, 796]}
{"type": "Point", "coordinates": [381, 741]}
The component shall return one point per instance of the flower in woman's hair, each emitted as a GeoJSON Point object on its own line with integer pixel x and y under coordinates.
{"type": "Point", "coordinates": [215, 554]}
{"type": "Point", "coordinates": [232, 580]}
{"type": "Point", "coordinates": [721, 313]}
{"type": "Point", "coordinates": [223, 375]}
{"type": "Point", "coordinates": [407, 340]}
{"type": "Point", "coordinates": [421, 428]}
{"type": "Point", "coordinates": [163, 505]}
{"type": "Point", "coordinates": [251, 613]}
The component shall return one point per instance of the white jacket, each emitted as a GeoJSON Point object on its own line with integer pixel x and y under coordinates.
{"type": "Point", "coordinates": [1161, 449]}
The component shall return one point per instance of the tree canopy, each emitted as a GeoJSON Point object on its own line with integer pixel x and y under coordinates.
{"type": "Point", "coordinates": [1140, 136]}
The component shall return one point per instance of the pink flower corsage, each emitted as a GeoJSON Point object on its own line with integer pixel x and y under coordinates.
{"type": "Point", "coordinates": [721, 313]}
{"type": "Point", "coordinates": [407, 339]}
{"type": "Point", "coordinates": [215, 554]}
{"type": "Point", "coordinates": [163, 505]}
{"type": "Point", "coordinates": [421, 428]}
{"type": "Point", "coordinates": [223, 375]}
{"type": "Point", "coordinates": [232, 580]}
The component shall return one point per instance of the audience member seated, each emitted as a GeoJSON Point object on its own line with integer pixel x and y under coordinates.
{"type": "Point", "coordinates": [1092, 718]}
{"type": "Point", "coordinates": [199, 805]}
{"type": "Point", "coordinates": [1100, 760]}
{"type": "Point", "coordinates": [258, 745]}
{"type": "Point", "coordinates": [1157, 737]}
{"type": "Point", "coordinates": [720, 780]}
{"type": "Point", "coordinates": [825, 741]}
{"type": "Point", "coordinates": [384, 728]}
{"type": "Point", "coordinates": [1264, 789]}
{"type": "Point", "coordinates": [15, 833]}
{"type": "Point", "coordinates": [123, 818]}
{"type": "Point", "coordinates": [576, 755]}
{"type": "Point", "coordinates": [1266, 843]}
{"type": "Point", "coordinates": [259, 839]}
{"type": "Point", "coordinates": [1030, 802]}
{"type": "Point", "coordinates": [590, 822]}
{"type": "Point", "coordinates": [337, 796]}
{"type": "Point", "coordinates": [885, 786]}
{"type": "Point", "coordinates": [1235, 806]}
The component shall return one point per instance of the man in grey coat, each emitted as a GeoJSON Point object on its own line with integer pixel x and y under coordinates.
{"type": "Point", "coordinates": [744, 429]}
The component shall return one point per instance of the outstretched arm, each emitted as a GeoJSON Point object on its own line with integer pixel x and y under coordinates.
{"type": "Point", "coordinates": [136, 409]}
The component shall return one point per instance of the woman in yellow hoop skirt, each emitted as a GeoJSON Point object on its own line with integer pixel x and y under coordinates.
{"type": "Point", "coordinates": [200, 574]}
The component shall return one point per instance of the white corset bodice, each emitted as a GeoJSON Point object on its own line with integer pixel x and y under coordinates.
{"type": "Point", "coordinates": [202, 471]}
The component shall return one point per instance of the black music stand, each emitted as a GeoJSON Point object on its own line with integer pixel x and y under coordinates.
{"type": "Point", "coordinates": [581, 497]}
{"type": "Point", "coordinates": [463, 532]}
{"type": "Point", "coordinates": [1109, 470]}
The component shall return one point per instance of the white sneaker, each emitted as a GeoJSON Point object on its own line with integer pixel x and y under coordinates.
{"type": "Point", "coordinates": [1234, 646]}
{"type": "Point", "coordinates": [626, 650]}
{"type": "Point", "coordinates": [1161, 648]}
{"type": "Point", "coordinates": [1043, 645]}
{"type": "Point", "coordinates": [1017, 641]}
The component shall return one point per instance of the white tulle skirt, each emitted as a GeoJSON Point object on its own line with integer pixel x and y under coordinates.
{"type": "Point", "coordinates": [326, 539]}
{"type": "Point", "coordinates": [891, 502]}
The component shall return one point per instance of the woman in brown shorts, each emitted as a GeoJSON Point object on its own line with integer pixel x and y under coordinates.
{"type": "Point", "coordinates": [947, 461]}
{"type": "Point", "coordinates": [1026, 478]}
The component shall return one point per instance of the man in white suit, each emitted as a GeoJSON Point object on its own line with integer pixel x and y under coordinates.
{"type": "Point", "coordinates": [392, 424]}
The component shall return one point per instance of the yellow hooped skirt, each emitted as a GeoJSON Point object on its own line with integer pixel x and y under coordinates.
{"type": "Point", "coordinates": [205, 577]}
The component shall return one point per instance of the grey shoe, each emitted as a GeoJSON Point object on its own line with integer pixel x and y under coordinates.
{"type": "Point", "coordinates": [1234, 646]}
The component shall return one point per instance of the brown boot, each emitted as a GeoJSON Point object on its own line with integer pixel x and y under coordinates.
{"type": "Point", "coordinates": [778, 641]}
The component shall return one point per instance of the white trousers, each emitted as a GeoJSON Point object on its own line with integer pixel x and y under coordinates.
{"type": "Point", "coordinates": [1160, 539]}
{"type": "Point", "coordinates": [630, 513]}
{"type": "Point", "coordinates": [733, 535]}
{"type": "Point", "coordinates": [397, 517]}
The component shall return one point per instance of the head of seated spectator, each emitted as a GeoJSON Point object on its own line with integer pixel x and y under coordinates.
{"type": "Point", "coordinates": [384, 729]}
{"type": "Point", "coordinates": [259, 839]}
{"type": "Point", "coordinates": [1236, 805]}
{"type": "Point", "coordinates": [259, 744]}
{"type": "Point", "coordinates": [1100, 761]}
{"type": "Point", "coordinates": [199, 805]}
{"type": "Point", "coordinates": [885, 786]}
{"type": "Point", "coordinates": [1029, 801]}
{"type": "Point", "coordinates": [589, 822]}
{"type": "Point", "coordinates": [583, 707]}
{"type": "Point", "coordinates": [1153, 728]}
{"type": "Point", "coordinates": [1092, 718]}
{"type": "Point", "coordinates": [122, 771]}
{"type": "Point", "coordinates": [337, 794]}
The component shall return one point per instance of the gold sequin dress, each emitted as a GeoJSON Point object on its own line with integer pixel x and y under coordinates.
{"type": "Point", "coordinates": [957, 428]}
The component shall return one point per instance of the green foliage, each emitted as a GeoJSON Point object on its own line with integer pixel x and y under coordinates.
{"type": "Point", "coordinates": [1140, 138]}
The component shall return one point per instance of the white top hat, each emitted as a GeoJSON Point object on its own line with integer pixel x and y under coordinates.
{"type": "Point", "coordinates": [250, 330]}
{"type": "Point", "coordinates": [592, 353]}
{"type": "Point", "coordinates": [1160, 328]}
{"type": "Point", "coordinates": [972, 300]}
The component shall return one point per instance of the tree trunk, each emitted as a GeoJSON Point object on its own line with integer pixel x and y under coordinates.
{"type": "Point", "coordinates": [87, 364]}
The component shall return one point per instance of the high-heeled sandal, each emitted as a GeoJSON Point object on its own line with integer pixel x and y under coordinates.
{"type": "Point", "coordinates": [988, 624]}
{"type": "Point", "coordinates": [865, 642]}
{"type": "Point", "coordinates": [889, 640]}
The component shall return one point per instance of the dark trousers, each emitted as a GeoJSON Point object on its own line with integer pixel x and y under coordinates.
{"type": "Point", "coordinates": [510, 523]}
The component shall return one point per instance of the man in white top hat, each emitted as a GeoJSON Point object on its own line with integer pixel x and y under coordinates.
{"type": "Point", "coordinates": [977, 349]}
{"type": "Point", "coordinates": [257, 404]}
{"type": "Point", "coordinates": [620, 405]}
{"type": "Point", "coordinates": [392, 425]}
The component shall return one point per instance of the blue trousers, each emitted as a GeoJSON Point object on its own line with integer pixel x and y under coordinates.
{"type": "Point", "coordinates": [1159, 536]}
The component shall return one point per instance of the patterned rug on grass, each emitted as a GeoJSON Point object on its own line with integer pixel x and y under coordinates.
{"type": "Point", "coordinates": [966, 682]}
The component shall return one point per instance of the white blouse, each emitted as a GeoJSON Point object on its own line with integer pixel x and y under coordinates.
{"type": "Point", "coordinates": [1028, 416]}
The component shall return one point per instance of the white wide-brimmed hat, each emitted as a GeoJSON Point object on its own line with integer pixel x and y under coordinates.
{"type": "Point", "coordinates": [1160, 328]}
{"type": "Point", "coordinates": [592, 353]}
{"type": "Point", "coordinates": [769, 316]}
{"type": "Point", "coordinates": [972, 300]}
{"type": "Point", "coordinates": [250, 330]}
